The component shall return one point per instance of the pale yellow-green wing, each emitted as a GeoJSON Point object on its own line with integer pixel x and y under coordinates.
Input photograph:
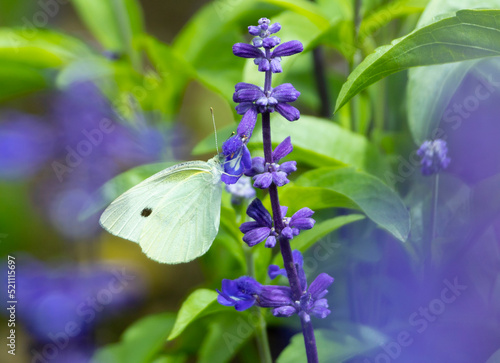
{"type": "Point", "coordinates": [174, 215]}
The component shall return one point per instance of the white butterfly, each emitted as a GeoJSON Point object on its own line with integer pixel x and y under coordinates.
{"type": "Point", "coordinates": [174, 215]}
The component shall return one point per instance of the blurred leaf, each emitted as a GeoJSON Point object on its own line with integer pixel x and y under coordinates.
{"type": "Point", "coordinates": [347, 188]}
{"type": "Point", "coordinates": [174, 73]}
{"type": "Point", "coordinates": [307, 239]}
{"type": "Point", "coordinates": [468, 34]}
{"type": "Point", "coordinates": [115, 23]}
{"type": "Point", "coordinates": [13, 11]}
{"type": "Point", "coordinates": [206, 146]}
{"type": "Point", "coordinates": [226, 335]}
{"type": "Point", "coordinates": [140, 342]}
{"type": "Point", "coordinates": [39, 49]}
{"type": "Point", "coordinates": [171, 359]}
{"type": "Point", "coordinates": [300, 76]}
{"type": "Point", "coordinates": [28, 57]}
{"type": "Point", "coordinates": [438, 8]}
{"type": "Point", "coordinates": [18, 80]}
{"type": "Point", "coordinates": [494, 358]}
{"type": "Point", "coordinates": [307, 9]}
{"type": "Point", "coordinates": [333, 346]}
{"type": "Point", "coordinates": [200, 303]}
{"type": "Point", "coordinates": [228, 222]}
{"type": "Point", "coordinates": [388, 12]}
{"type": "Point", "coordinates": [441, 81]}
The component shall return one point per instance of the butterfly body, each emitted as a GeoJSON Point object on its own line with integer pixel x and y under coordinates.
{"type": "Point", "coordinates": [173, 215]}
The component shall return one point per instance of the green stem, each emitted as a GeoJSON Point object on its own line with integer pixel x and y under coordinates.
{"type": "Point", "coordinates": [261, 329]}
{"type": "Point", "coordinates": [379, 106]}
{"type": "Point", "coordinates": [354, 62]}
{"type": "Point", "coordinates": [262, 339]}
{"type": "Point", "coordinates": [431, 228]}
{"type": "Point", "coordinates": [125, 32]}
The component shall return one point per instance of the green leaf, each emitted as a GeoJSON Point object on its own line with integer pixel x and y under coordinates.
{"type": "Point", "coordinates": [333, 346]}
{"type": "Point", "coordinates": [140, 342]}
{"type": "Point", "coordinates": [29, 57]}
{"type": "Point", "coordinates": [436, 8]}
{"type": "Point", "coordinates": [233, 244]}
{"type": "Point", "coordinates": [39, 49]}
{"type": "Point", "coordinates": [494, 358]}
{"type": "Point", "coordinates": [115, 23]}
{"type": "Point", "coordinates": [468, 34]}
{"type": "Point", "coordinates": [174, 72]}
{"type": "Point", "coordinates": [225, 336]}
{"type": "Point", "coordinates": [388, 12]}
{"type": "Point", "coordinates": [319, 142]}
{"type": "Point", "coordinates": [307, 239]}
{"type": "Point", "coordinates": [440, 81]}
{"type": "Point", "coordinates": [345, 187]}
{"type": "Point", "coordinates": [171, 359]}
{"type": "Point", "coordinates": [18, 80]}
{"type": "Point", "coordinates": [200, 303]}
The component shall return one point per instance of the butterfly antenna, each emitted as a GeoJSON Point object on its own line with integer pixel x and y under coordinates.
{"type": "Point", "coordinates": [215, 130]}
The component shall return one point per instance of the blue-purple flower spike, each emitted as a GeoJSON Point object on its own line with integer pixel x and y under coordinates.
{"type": "Point", "coordinates": [434, 156]}
{"type": "Point", "coordinates": [269, 173]}
{"type": "Point", "coordinates": [265, 59]}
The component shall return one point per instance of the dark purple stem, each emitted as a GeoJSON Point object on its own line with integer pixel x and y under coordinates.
{"type": "Point", "coordinates": [309, 338]}
{"type": "Point", "coordinates": [286, 250]}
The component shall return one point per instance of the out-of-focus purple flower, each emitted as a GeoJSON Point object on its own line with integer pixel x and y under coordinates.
{"type": "Point", "coordinates": [261, 229]}
{"type": "Point", "coordinates": [240, 293]}
{"type": "Point", "coordinates": [26, 144]}
{"type": "Point", "coordinates": [241, 190]}
{"type": "Point", "coordinates": [237, 158]}
{"type": "Point", "coordinates": [434, 156]}
{"type": "Point", "coordinates": [267, 59]}
{"type": "Point", "coordinates": [253, 100]}
{"type": "Point", "coordinates": [48, 299]}
{"type": "Point", "coordinates": [266, 173]}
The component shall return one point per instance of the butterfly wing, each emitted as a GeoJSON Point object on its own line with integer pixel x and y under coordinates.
{"type": "Point", "coordinates": [135, 210]}
{"type": "Point", "coordinates": [186, 221]}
